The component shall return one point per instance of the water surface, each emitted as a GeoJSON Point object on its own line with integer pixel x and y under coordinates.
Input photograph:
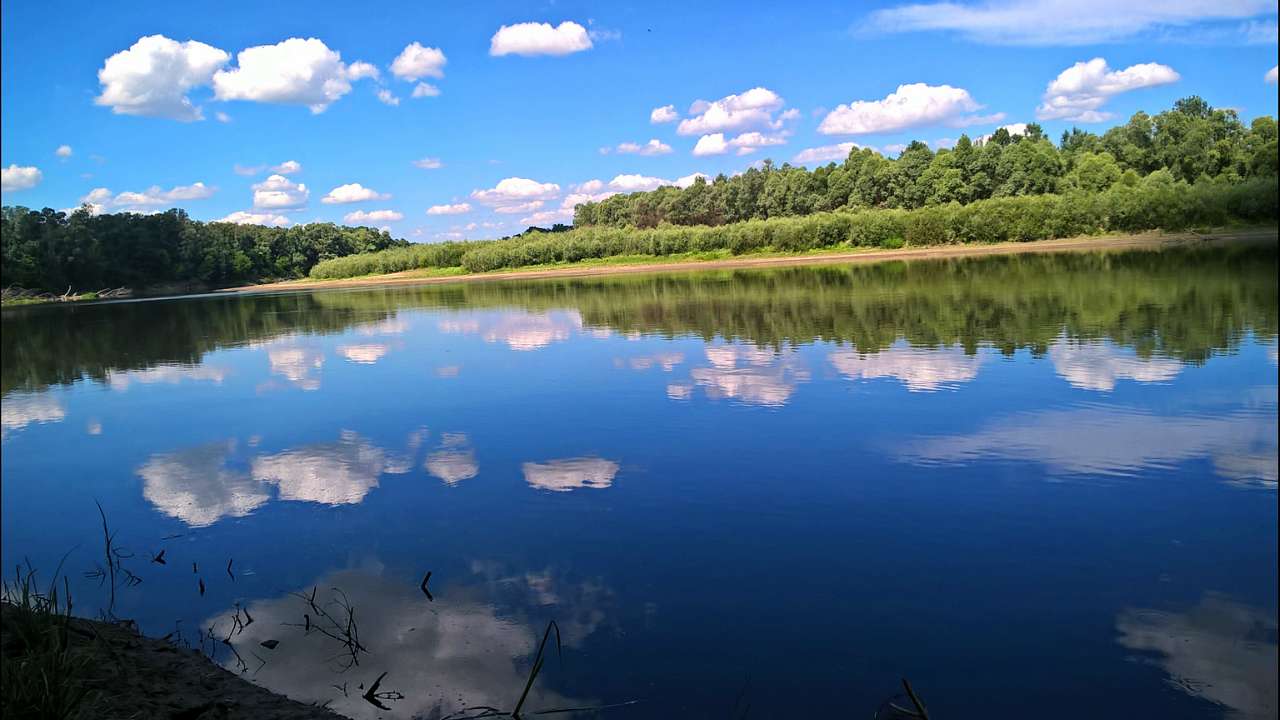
{"type": "Point", "coordinates": [1022, 482]}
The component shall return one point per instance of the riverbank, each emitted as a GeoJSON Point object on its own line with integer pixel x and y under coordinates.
{"type": "Point", "coordinates": [654, 264]}
{"type": "Point", "coordinates": [127, 675]}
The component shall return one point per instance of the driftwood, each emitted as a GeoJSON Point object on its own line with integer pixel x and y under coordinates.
{"type": "Point", "coordinates": [14, 292]}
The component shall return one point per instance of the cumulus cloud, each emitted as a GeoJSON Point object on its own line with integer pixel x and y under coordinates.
{"type": "Point", "coordinates": [548, 217]}
{"type": "Point", "coordinates": [292, 72]}
{"type": "Point", "coordinates": [907, 107]}
{"type": "Point", "coordinates": [102, 200]}
{"type": "Point", "coordinates": [362, 217]}
{"type": "Point", "coordinates": [454, 209]}
{"type": "Point", "coordinates": [386, 97]}
{"type": "Point", "coordinates": [242, 217]}
{"type": "Point", "coordinates": [1271, 75]}
{"type": "Point", "coordinates": [17, 177]}
{"type": "Point", "coordinates": [516, 195]}
{"type": "Point", "coordinates": [352, 193]}
{"type": "Point", "coordinates": [1048, 22]}
{"type": "Point", "coordinates": [361, 70]}
{"type": "Point", "coordinates": [825, 153]}
{"type": "Point", "coordinates": [691, 178]}
{"type": "Point", "coordinates": [1081, 90]}
{"type": "Point", "coordinates": [278, 192]}
{"type": "Point", "coordinates": [1014, 130]}
{"type": "Point", "coordinates": [428, 163]}
{"type": "Point", "coordinates": [531, 38]}
{"type": "Point", "coordinates": [416, 62]}
{"type": "Point", "coordinates": [152, 77]}
{"type": "Point", "coordinates": [664, 114]}
{"type": "Point", "coordinates": [423, 89]}
{"type": "Point", "coordinates": [63, 151]}
{"type": "Point", "coordinates": [653, 147]}
{"type": "Point", "coordinates": [753, 108]}
{"type": "Point", "coordinates": [746, 143]}
{"type": "Point", "coordinates": [636, 183]}
{"type": "Point", "coordinates": [288, 167]}
{"type": "Point", "coordinates": [713, 144]}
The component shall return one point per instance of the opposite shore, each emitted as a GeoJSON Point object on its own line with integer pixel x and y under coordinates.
{"type": "Point", "coordinates": [1148, 240]}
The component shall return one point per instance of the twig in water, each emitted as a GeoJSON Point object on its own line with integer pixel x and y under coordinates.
{"type": "Point", "coordinates": [537, 664]}
{"type": "Point", "coordinates": [233, 577]}
{"type": "Point", "coordinates": [375, 698]}
{"type": "Point", "coordinates": [159, 558]}
{"type": "Point", "coordinates": [425, 591]}
{"type": "Point", "coordinates": [201, 581]}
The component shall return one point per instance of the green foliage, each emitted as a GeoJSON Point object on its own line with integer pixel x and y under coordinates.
{"type": "Point", "coordinates": [1191, 141]}
{"type": "Point", "coordinates": [43, 673]}
{"type": "Point", "coordinates": [412, 257]}
{"type": "Point", "coordinates": [53, 251]}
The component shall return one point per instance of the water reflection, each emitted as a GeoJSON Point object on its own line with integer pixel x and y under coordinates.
{"type": "Point", "coordinates": [665, 360]}
{"type": "Point", "coordinates": [570, 473]}
{"type": "Point", "coordinates": [468, 648]}
{"type": "Point", "coordinates": [747, 374]}
{"type": "Point", "coordinates": [920, 369]}
{"type": "Point", "coordinates": [1220, 650]}
{"type": "Point", "coordinates": [300, 366]}
{"type": "Point", "coordinates": [455, 461]}
{"type": "Point", "coordinates": [1094, 366]}
{"type": "Point", "coordinates": [1108, 440]}
{"type": "Point", "coordinates": [366, 354]}
{"type": "Point", "coordinates": [19, 411]}
{"type": "Point", "coordinates": [521, 331]}
{"type": "Point", "coordinates": [168, 374]}
{"type": "Point", "coordinates": [204, 484]}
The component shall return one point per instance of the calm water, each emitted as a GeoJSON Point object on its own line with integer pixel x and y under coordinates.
{"type": "Point", "coordinates": [1032, 482]}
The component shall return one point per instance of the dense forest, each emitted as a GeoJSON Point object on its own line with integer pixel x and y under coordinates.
{"type": "Point", "coordinates": [1192, 141]}
{"type": "Point", "coordinates": [1140, 300]}
{"type": "Point", "coordinates": [53, 251]}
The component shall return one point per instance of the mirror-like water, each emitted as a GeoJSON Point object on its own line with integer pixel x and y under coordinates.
{"type": "Point", "coordinates": [1022, 482]}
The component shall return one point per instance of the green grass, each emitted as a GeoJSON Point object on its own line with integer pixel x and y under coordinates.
{"type": "Point", "coordinates": [42, 674]}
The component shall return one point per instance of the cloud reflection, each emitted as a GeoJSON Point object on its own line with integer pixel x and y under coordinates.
{"type": "Point", "coordinates": [455, 461]}
{"type": "Point", "coordinates": [1119, 441]}
{"type": "Point", "coordinates": [198, 487]}
{"type": "Point", "coordinates": [300, 366]}
{"type": "Point", "coordinates": [339, 473]}
{"type": "Point", "coordinates": [19, 411]}
{"type": "Point", "coordinates": [920, 369]}
{"type": "Point", "coordinates": [468, 648]}
{"type": "Point", "coordinates": [570, 474]}
{"type": "Point", "coordinates": [366, 354]}
{"type": "Point", "coordinates": [751, 375]}
{"type": "Point", "coordinates": [522, 331]}
{"type": "Point", "coordinates": [1095, 366]}
{"type": "Point", "coordinates": [1220, 650]}
{"type": "Point", "coordinates": [168, 374]}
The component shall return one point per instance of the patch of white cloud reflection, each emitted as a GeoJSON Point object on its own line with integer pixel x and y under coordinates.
{"type": "Point", "coordinates": [1098, 366]}
{"type": "Point", "coordinates": [570, 473]}
{"type": "Point", "coordinates": [366, 354]}
{"type": "Point", "coordinates": [1118, 441]}
{"type": "Point", "coordinates": [747, 374]}
{"type": "Point", "coordinates": [1220, 650]}
{"type": "Point", "coordinates": [920, 369]}
{"type": "Point", "coordinates": [665, 360]}
{"type": "Point", "coordinates": [20, 410]}
{"type": "Point", "coordinates": [462, 651]}
{"type": "Point", "coordinates": [389, 326]}
{"type": "Point", "coordinates": [300, 366]}
{"type": "Point", "coordinates": [455, 461]}
{"type": "Point", "coordinates": [198, 487]}
{"type": "Point", "coordinates": [168, 374]}
{"type": "Point", "coordinates": [522, 331]}
{"type": "Point", "coordinates": [338, 473]}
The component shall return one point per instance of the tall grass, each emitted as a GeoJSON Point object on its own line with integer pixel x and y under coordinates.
{"type": "Point", "coordinates": [1155, 202]}
{"type": "Point", "coordinates": [42, 674]}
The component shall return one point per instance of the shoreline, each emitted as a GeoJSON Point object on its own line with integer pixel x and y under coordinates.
{"type": "Point", "coordinates": [1076, 244]}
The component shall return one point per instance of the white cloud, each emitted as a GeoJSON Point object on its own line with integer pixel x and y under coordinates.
{"type": "Point", "coordinates": [825, 153]}
{"type": "Point", "coordinates": [101, 200]}
{"type": "Point", "coordinates": [517, 195]}
{"type": "Point", "coordinates": [636, 183]}
{"type": "Point", "coordinates": [531, 38]}
{"type": "Point", "coordinates": [428, 163]}
{"type": "Point", "coordinates": [1081, 90]}
{"type": "Point", "coordinates": [247, 170]}
{"type": "Point", "coordinates": [16, 177]}
{"type": "Point", "coordinates": [222, 117]}
{"type": "Point", "coordinates": [893, 149]}
{"type": "Point", "coordinates": [361, 217]}
{"type": "Point", "coordinates": [1271, 75]}
{"type": "Point", "coordinates": [1014, 130]}
{"type": "Point", "coordinates": [63, 151]}
{"type": "Point", "coordinates": [288, 167]}
{"type": "Point", "coordinates": [386, 97]}
{"type": "Point", "coordinates": [278, 192]}
{"type": "Point", "coordinates": [713, 144]}
{"type": "Point", "coordinates": [292, 72]}
{"type": "Point", "coordinates": [749, 142]}
{"type": "Point", "coordinates": [1051, 22]}
{"type": "Point", "coordinates": [753, 108]}
{"type": "Point", "coordinates": [907, 107]}
{"type": "Point", "coordinates": [423, 89]}
{"type": "Point", "coordinates": [548, 217]}
{"type": "Point", "coordinates": [154, 75]}
{"type": "Point", "coordinates": [690, 179]}
{"type": "Point", "coordinates": [653, 147]}
{"type": "Point", "coordinates": [455, 209]}
{"type": "Point", "coordinates": [242, 217]}
{"type": "Point", "coordinates": [352, 193]}
{"type": "Point", "coordinates": [416, 61]}
{"type": "Point", "coordinates": [664, 114]}
{"type": "Point", "coordinates": [360, 70]}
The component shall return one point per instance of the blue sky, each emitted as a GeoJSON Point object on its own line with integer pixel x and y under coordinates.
{"type": "Point", "coordinates": [534, 105]}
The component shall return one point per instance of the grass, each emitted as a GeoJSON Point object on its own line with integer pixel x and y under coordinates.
{"type": "Point", "coordinates": [43, 675]}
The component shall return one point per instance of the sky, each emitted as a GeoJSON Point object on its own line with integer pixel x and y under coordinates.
{"type": "Point", "coordinates": [448, 120]}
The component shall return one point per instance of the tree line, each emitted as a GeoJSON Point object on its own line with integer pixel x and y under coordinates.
{"type": "Point", "coordinates": [53, 250]}
{"type": "Point", "coordinates": [1192, 141]}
